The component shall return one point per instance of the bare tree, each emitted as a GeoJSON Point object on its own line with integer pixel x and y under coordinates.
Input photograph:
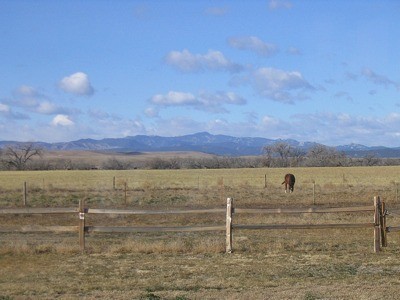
{"type": "Point", "coordinates": [17, 156]}
{"type": "Point", "coordinates": [281, 150]}
{"type": "Point", "coordinates": [268, 151]}
{"type": "Point", "coordinates": [323, 156]}
{"type": "Point", "coordinates": [297, 156]}
{"type": "Point", "coordinates": [370, 159]}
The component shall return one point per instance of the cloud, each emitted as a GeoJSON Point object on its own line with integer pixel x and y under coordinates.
{"type": "Point", "coordinates": [277, 4]}
{"type": "Point", "coordinates": [379, 79]}
{"type": "Point", "coordinates": [62, 120]}
{"type": "Point", "coordinates": [46, 108]}
{"type": "Point", "coordinates": [4, 108]}
{"type": "Point", "coordinates": [211, 102]}
{"type": "Point", "coordinates": [77, 84]}
{"type": "Point", "coordinates": [27, 97]}
{"type": "Point", "coordinates": [7, 112]}
{"type": "Point", "coordinates": [279, 85]}
{"type": "Point", "coordinates": [185, 61]}
{"type": "Point", "coordinates": [174, 99]}
{"type": "Point", "coordinates": [252, 43]}
{"type": "Point", "coordinates": [28, 91]}
{"type": "Point", "coordinates": [338, 129]}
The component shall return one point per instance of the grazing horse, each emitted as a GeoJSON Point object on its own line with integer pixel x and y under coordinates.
{"type": "Point", "coordinates": [289, 181]}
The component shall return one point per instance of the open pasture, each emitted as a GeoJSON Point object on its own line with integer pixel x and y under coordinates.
{"type": "Point", "coordinates": [203, 187]}
{"type": "Point", "coordinates": [265, 264]}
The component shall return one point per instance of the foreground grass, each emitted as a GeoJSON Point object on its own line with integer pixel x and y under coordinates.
{"type": "Point", "coordinates": [269, 275]}
{"type": "Point", "coordinates": [280, 264]}
{"type": "Point", "coordinates": [288, 264]}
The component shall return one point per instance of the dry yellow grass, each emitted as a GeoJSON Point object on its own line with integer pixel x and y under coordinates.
{"type": "Point", "coordinates": [279, 264]}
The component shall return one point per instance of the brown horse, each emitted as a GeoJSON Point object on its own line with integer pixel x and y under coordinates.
{"type": "Point", "coordinates": [289, 182]}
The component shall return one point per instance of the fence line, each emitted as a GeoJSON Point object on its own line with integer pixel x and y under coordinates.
{"type": "Point", "coordinates": [124, 189]}
{"type": "Point", "coordinates": [379, 223]}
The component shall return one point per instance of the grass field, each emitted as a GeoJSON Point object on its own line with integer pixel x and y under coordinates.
{"type": "Point", "coordinates": [265, 264]}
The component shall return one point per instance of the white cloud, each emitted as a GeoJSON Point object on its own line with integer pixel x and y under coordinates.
{"type": "Point", "coordinates": [27, 91]}
{"type": "Point", "coordinates": [326, 128]}
{"type": "Point", "coordinates": [211, 102]}
{"type": "Point", "coordinates": [270, 121]}
{"type": "Point", "coordinates": [27, 97]}
{"type": "Point", "coordinates": [252, 43]}
{"type": "Point", "coordinates": [62, 120]}
{"type": "Point", "coordinates": [4, 108]}
{"type": "Point", "coordinates": [47, 108]}
{"type": "Point", "coordinates": [185, 61]}
{"type": "Point", "coordinates": [280, 85]}
{"type": "Point", "coordinates": [214, 102]}
{"type": "Point", "coordinates": [7, 112]}
{"type": "Point", "coordinates": [77, 84]}
{"type": "Point", "coordinates": [338, 129]}
{"type": "Point", "coordinates": [174, 98]}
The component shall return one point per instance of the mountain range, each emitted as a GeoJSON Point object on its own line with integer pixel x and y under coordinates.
{"type": "Point", "coordinates": [203, 142]}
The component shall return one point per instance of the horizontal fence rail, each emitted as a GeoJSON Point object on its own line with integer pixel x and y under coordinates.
{"type": "Point", "coordinates": [38, 228]}
{"type": "Point", "coordinates": [154, 229]}
{"type": "Point", "coordinates": [304, 210]}
{"type": "Point", "coordinates": [393, 229]}
{"type": "Point", "coordinates": [36, 210]}
{"type": "Point", "coordinates": [153, 212]}
{"type": "Point", "coordinates": [303, 226]}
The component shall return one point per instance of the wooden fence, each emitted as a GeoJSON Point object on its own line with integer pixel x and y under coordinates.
{"type": "Point", "coordinates": [378, 225]}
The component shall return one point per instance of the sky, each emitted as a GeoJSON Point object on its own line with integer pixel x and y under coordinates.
{"type": "Point", "coordinates": [319, 71]}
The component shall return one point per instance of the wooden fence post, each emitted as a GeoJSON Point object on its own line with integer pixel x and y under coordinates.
{"type": "Point", "coordinates": [383, 224]}
{"type": "Point", "coordinates": [229, 210]}
{"type": "Point", "coordinates": [24, 194]}
{"type": "Point", "coordinates": [114, 183]}
{"type": "Point", "coordinates": [377, 227]}
{"type": "Point", "coordinates": [313, 193]}
{"type": "Point", "coordinates": [126, 191]}
{"type": "Point", "coordinates": [82, 225]}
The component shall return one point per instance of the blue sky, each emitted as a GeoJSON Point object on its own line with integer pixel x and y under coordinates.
{"type": "Point", "coordinates": [322, 71]}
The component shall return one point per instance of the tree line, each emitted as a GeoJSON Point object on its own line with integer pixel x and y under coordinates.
{"type": "Point", "coordinates": [279, 155]}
